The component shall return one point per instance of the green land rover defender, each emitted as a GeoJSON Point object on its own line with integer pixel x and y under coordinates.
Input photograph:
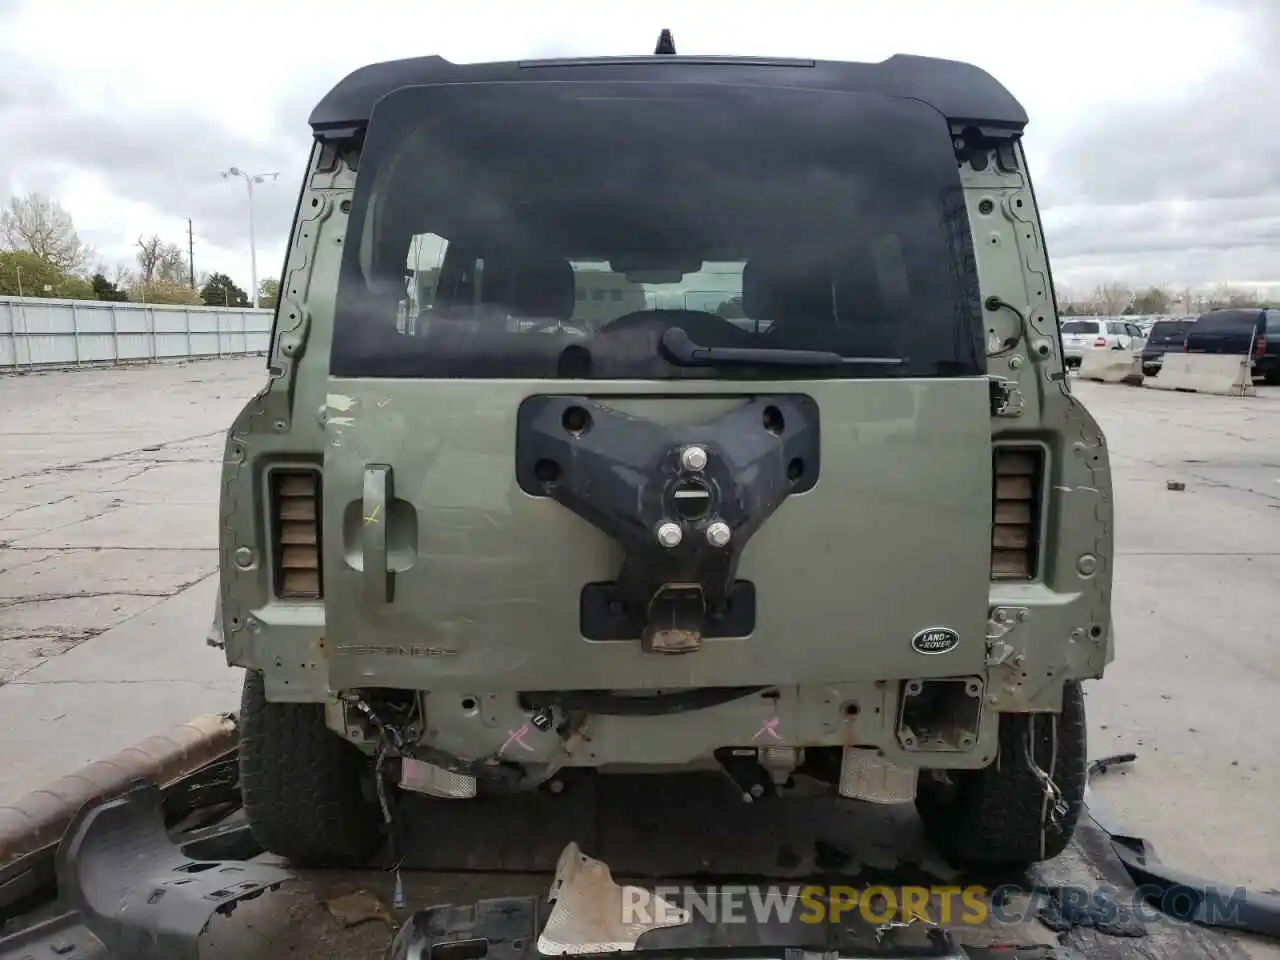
{"type": "Point", "coordinates": [661, 413]}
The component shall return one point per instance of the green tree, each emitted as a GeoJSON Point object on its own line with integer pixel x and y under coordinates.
{"type": "Point", "coordinates": [268, 293]}
{"type": "Point", "coordinates": [23, 273]}
{"type": "Point", "coordinates": [220, 291]}
{"type": "Point", "coordinates": [1152, 300]}
{"type": "Point", "coordinates": [104, 289]}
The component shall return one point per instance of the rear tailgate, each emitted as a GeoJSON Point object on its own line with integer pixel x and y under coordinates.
{"type": "Point", "coordinates": [450, 575]}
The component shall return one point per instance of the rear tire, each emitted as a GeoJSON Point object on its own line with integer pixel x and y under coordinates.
{"type": "Point", "coordinates": [998, 816]}
{"type": "Point", "coordinates": [303, 785]}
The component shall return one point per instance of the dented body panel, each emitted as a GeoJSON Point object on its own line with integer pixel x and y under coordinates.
{"type": "Point", "coordinates": [441, 575]}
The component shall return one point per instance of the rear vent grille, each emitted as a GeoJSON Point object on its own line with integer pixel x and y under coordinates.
{"type": "Point", "coordinates": [1014, 533]}
{"type": "Point", "coordinates": [295, 516]}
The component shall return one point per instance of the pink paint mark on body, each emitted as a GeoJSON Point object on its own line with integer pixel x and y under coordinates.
{"type": "Point", "coordinates": [517, 736]}
{"type": "Point", "coordinates": [770, 727]}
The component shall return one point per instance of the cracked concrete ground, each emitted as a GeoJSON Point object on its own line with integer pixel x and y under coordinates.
{"type": "Point", "coordinates": [108, 524]}
{"type": "Point", "coordinates": [108, 493]}
{"type": "Point", "coordinates": [1194, 687]}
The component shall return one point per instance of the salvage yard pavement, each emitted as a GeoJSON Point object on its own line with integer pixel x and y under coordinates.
{"type": "Point", "coordinates": [108, 529]}
{"type": "Point", "coordinates": [108, 522]}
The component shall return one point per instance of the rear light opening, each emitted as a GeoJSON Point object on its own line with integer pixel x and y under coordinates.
{"type": "Point", "coordinates": [1100, 342]}
{"type": "Point", "coordinates": [295, 533]}
{"type": "Point", "coordinates": [1259, 346]}
{"type": "Point", "coordinates": [1016, 499]}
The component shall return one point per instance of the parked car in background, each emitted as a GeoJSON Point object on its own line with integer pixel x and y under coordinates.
{"type": "Point", "coordinates": [1253, 331]}
{"type": "Point", "coordinates": [1081, 336]}
{"type": "Point", "coordinates": [1165, 336]}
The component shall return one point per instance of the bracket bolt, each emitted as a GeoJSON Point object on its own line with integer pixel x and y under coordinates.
{"type": "Point", "coordinates": [718, 533]}
{"type": "Point", "coordinates": [693, 459]}
{"type": "Point", "coordinates": [669, 534]}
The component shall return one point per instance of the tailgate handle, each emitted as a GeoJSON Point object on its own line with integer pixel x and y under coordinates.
{"type": "Point", "coordinates": [373, 534]}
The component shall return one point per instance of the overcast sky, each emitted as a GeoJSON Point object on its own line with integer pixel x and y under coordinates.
{"type": "Point", "coordinates": [1153, 137]}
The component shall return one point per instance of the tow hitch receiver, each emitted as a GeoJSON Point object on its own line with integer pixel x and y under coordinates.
{"type": "Point", "coordinates": [682, 501]}
{"type": "Point", "coordinates": [139, 893]}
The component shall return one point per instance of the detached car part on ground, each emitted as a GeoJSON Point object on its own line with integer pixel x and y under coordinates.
{"type": "Point", "coordinates": [143, 855]}
{"type": "Point", "coordinates": [816, 506]}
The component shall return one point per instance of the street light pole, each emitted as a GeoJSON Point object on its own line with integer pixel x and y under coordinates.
{"type": "Point", "coordinates": [249, 180]}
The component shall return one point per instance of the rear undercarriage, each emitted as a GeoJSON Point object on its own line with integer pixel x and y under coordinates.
{"type": "Point", "coordinates": [917, 723]}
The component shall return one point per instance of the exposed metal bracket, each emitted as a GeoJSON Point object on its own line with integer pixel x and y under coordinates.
{"type": "Point", "coordinates": [1006, 398]}
{"type": "Point", "coordinates": [1002, 622]}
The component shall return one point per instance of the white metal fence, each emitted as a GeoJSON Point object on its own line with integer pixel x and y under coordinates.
{"type": "Point", "coordinates": [38, 333]}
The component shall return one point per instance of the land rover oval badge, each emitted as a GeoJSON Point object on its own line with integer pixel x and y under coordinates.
{"type": "Point", "coordinates": [935, 640]}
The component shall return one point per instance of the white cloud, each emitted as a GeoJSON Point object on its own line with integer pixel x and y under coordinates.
{"type": "Point", "coordinates": [130, 113]}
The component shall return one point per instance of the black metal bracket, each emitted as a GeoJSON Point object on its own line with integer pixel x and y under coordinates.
{"type": "Point", "coordinates": [681, 500]}
{"type": "Point", "coordinates": [139, 893]}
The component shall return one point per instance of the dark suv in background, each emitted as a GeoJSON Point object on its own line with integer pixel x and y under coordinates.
{"type": "Point", "coordinates": [1164, 336]}
{"type": "Point", "coordinates": [1254, 331]}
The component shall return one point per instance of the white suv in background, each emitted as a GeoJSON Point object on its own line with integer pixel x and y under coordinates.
{"type": "Point", "coordinates": [1079, 336]}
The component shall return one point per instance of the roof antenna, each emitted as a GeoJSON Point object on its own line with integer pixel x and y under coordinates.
{"type": "Point", "coordinates": [666, 45]}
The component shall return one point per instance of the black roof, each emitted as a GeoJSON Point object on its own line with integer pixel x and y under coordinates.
{"type": "Point", "coordinates": [961, 92]}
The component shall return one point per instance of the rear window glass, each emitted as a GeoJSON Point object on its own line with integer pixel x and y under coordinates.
{"type": "Point", "coordinates": [1241, 321]}
{"type": "Point", "coordinates": [496, 226]}
{"type": "Point", "coordinates": [1081, 326]}
{"type": "Point", "coordinates": [1169, 331]}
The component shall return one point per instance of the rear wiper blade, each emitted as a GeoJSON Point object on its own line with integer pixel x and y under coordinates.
{"type": "Point", "coordinates": [683, 352]}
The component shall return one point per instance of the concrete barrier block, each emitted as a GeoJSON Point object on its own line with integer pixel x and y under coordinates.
{"type": "Point", "coordinates": [1111, 366]}
{"type": "Point", "coordinates": [1226, 375]}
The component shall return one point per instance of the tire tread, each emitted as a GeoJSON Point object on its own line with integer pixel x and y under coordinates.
{"type": "Point", "coordinates": [994, 817]}
{"type": "Point", "coordinates": [302, 784]}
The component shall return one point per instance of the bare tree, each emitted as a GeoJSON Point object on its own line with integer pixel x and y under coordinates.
{"type": "Point", "coordinates": [1225, 295]}
{"type": "Point", "coordinates": [1112, 297]}
{"type": "Point", "coordinates": [148, 257]}
{"type": "Point", "coordinates": [160, 262]}
{"type": "Point", "coordinates": [36, 224]}
{"type": "Point", "coordinates": [171, 266]}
